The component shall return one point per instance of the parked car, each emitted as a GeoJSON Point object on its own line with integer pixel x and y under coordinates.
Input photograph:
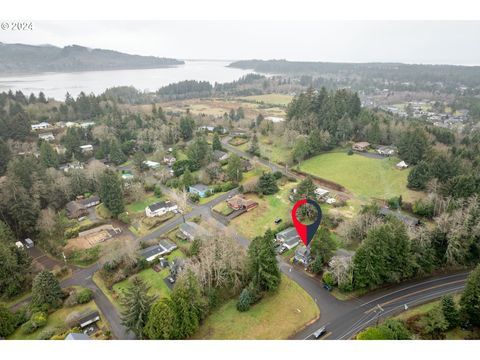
{"type": "Point", "coordinates": [328, 287]}
{"type": "Point", "coordinates": [317, 334]}
{"type": "Point", "coordinates": [281, 249]}
{"type": "Point", "coordinates": [278, 221]}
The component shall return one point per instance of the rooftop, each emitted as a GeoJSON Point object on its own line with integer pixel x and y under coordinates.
{"type": "Point", "coordinates": [200, 187]}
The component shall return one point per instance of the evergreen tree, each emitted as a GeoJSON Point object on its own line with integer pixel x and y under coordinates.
{"type": "Point", "coordinates": [7, 321]}
{"type": "Point", "coordinates": [161, 320]}
{"type": "Point", "coordinates": [139, 161]}
{"type": "Point", "coordinates": [267, 184]}
{"type": "Point", "coordinates": [199, 152]}
{"type": "Point", "coordinates": [5, 156]}
{"type": "Point", "coordinates": [419, 176]}
{"type": "Point", "coordinates": [187, 179]}
{"type": "Point", "coordinates": [111, 193]}
{"type": "Point", "coordinates": [137, 304]}
{"type": "Point", "coordinates": [216, 144]}
{"type": "Point", "coordinates": [235, 168]}
{"type": "Point", "coordinates": [262, 263]}
{"type": "Point", "coordinates": [470, 300]}
{"type": "Point", "coordinates": [450, 311]}
{"type": "Point", "coordinates": [413, 146]}
{"type": "Point", "coordinates": [323, 246]}
{"type": "Point", "coordinates": [254, 148]}
{"type": "Point", "coordinates": [48, 156]}
{"type": "Point", "coordinates": [116, 154]}
{"type": "Point", "coordinates": [46, 290]}
{"type": "Point", "coordinates": [186, 127]}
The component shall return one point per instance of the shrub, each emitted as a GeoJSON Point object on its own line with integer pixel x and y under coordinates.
{"type": "Point", "coordinates": [149, 187]}
{"type": "Point", "coordinates": [123, 217]}
{"type": "Point", "coordinates": [328, 278]}
{"type": "Point", "coordinates": [7, 321]}
{"type": "Point", "coordinates": [72, 232]}
{"type": "Point", "coordinates": [194, 198]}
{"type": "Point", "coordinates": [317, 265]}
{"type": "Point", "coordinates": [423, 208]}
{"type": "Point", "coordinates": [38, 319]}
{"type": "Point", "coordinates": [28, 328]}
{"type": "Point", "coordinates": [84, 296]}
{"type": "Point", "coordinates": [245, 300]}
{"type": "Point", "coordinates": [157, 191]}
{"type": "Point", "coordinates": [350, 152]}
{"type": "Point", "coordinates": [277, 175]}
{"type": "Point", "coordinates": [71, 300]}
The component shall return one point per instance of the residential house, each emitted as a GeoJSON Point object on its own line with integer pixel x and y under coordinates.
{"type": "Point", "coordinates": [46, 136]}
{"type": "Point", "coordinates": [75, 210]}
{"type": "Point", "coordinates": [70, 124]}
{"type": "Point", "coordinates": [86, 148]}
{"type": "Point", "coordinates": [164, 247]}
{"type": "Point", "coordinates": [206, 128]}
{"type": "Point", "coordinates": [87, 124]}
{"type": "Point", "coordinates": [71, 166]}
{"type": "Point", "coordinates": [152, 164]}
{"type": "Point", "coordinates": [361, 146]}
{"type": "Point", "coordinates": [79, 208]}
{"type": "Point", "coordinates": [177, 266]}
{"type": "Point", "coordinates": [199, 189]}
{"type": "Point", "coordinates": [169, 160]}
{"type": "Point", "coordinates": [241, 202]}
{"type": "Point", "coordinates": [275, 119]}
{"type": "Point", "coordinates": [89, 319]}
{"type": "Point", "coordinates": [77, 336]}
{"type": "Point", "coordinates": [386, 150]}
{"type": "Point", "coordinates": [127, 176]}
{"type": "Point", "coordinates": [246, 165]}
{"type": "Point", "coordinates": [401, 165]}
{"type": "Point", "coordinates": [288, 237]}
{"type": "Point", "coordinates": [321, 193]}
{"type": "Point", "coordinates": [302, 255]}
{"type": "Point", "coordinates": [41, 126]}
{"type": "Point", "coordinates": [238, 132]}
{"type": "Point", "coordinates": [160, 208]}
{"type": "Point", "coordinates": [219, 155]}
{"type": "Point", "coordinates": [407, 220]}
{"type": "Point", "coordinates": [190, 231]}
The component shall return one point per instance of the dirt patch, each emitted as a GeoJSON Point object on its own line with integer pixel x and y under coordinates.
{"type": "Point", "coordinates": [90, 238]}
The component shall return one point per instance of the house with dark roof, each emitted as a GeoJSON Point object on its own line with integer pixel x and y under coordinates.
{"type": "Point", "coordinates": [160, 208]}
{"type": "Point", "coordinates": [164, 247]}
{"type": "Point", "coordinates": [219, 155]}
{"type": "Point", "coordinates": [407, 220]}
{"type": "Point", "coordinates": [246, 165]}
{"type": "Point", "coordinates": [88, 319]}
{"type": "Point", "coordinates": [199, 189]}
{"type": "Point", "coordinates": [78, 208]}
{"type": "Point", "coordinates": [302, 255]}
{"type": "Point", "coordinates": [386, 150]}
{"type": "Point", "coordinates": [288, 237]}
{"type": "Point", "coordinates": [190, 231]}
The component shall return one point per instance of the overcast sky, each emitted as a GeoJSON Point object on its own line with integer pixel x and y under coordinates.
{"type": "Point", "coordinates": [342, 41]}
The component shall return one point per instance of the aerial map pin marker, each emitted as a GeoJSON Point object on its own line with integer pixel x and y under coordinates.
{"type": "Point", "coordinates": [306, 232]}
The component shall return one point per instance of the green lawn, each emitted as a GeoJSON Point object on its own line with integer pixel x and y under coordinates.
{"type": "Point", "coordinates": [257, 221]}
{"type": "Point", "coordinates": [205, 200]}
{"type": "Point", "coordinates": [223, 209]}
{"type": "Point", "coordinates": [273, 149]}
{"type": "Point", "coordinates": [153, 279]}
{"type": "Point", "coordinates": [56, 320]}
{"type": "Point", "coordinates": [139, 206]}
{"type": "Point", "coordinates": [277, 316]}
{"type": "Point", "coordinates": [365, 177]}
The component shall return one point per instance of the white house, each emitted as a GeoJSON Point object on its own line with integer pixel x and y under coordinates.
{"type": "Point", "coordinates": [152, 164]}
{"type": "Point", "coordinates": [46, 136]}
{"type": "Point", "coordinates": [321, 193]}
{"type": "Point", "coordinates": [41, 126]}
{"type": "Point", "coordinates": [160, 208]}
{"type": "Point", "coordinates": [401, 165]}
{"type": "Point", "coordinates": [86, 148]}
{"type": "Point", "coordinates": [87, 124]}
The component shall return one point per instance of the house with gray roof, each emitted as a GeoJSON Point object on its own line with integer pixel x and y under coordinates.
{"type": "Point", "coordinates": [288, 237]}
{"type": "Point", "coordinates": [191, 231]}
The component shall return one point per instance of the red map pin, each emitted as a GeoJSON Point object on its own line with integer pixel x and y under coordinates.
{"type": "Point", "coordinates": [306, 232]}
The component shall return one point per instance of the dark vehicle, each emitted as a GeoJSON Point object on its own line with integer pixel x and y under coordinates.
{"type": "Point", "coordinates": [278, 221]}
{"type": "Point", "coordinates": [317, 334]}
{"type": "Point", "coordinates": [328, 287]}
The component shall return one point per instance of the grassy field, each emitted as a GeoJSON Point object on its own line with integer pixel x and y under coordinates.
{"type": "Point", "coordinates": [274, 99]}
{"type": "Point", "coordinates": [277, 316]}
{"type": "Point", "coordinates": [56, 320]}
{"type": "Point", "coordinates": [210, 198]}
{"type": "Point", "coordinates": [139, 206]}
{"type": "Point", "coordinates": [272, 149]}
{"type": "Point", "coordinates": [365, 177]}
{"type": "Point", "coordinates": [257, 221]}
{"type": "Point", "coordinates": [223, 209]}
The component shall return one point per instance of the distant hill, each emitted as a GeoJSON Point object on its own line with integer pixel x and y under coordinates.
{"type": "Point", "coordinates": [19, 58]}
{"type": "Point", "coordinates": [424, 77]}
